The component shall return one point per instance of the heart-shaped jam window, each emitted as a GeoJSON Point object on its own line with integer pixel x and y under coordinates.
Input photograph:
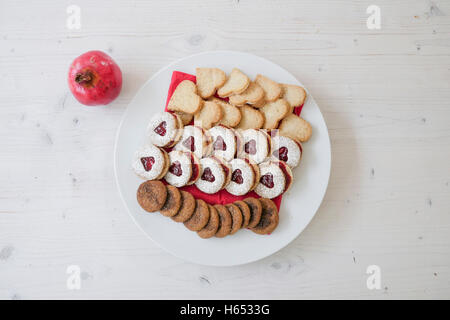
{"type": "Point", "coordinates": [175, 168]}
{"type": "Point", "coordinates": [189, 143]}
{"type": "Point", "coordinates": [281, 154]}
{"type": "Point", "coordinates": [147, 163]}
{"type": "Point", "coordinates": [161, 129]}
{"type": "Point", "coordinates": [237, 176]}
{"type": "Point", "coordinates": [208, 175]}
{"type": "Point", "coordinates": [220, 144]}
{"type": "Point", "coordinates": [250, 147]}
{"type": "Point", "coordinates": [267, 180]}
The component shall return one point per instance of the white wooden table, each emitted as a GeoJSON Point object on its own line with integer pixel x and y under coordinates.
{"type": "Point", "coordinates": [384, 94]}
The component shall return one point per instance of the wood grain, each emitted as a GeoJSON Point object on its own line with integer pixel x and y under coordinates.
{"type": "Point", "coordinates": [385, 97]}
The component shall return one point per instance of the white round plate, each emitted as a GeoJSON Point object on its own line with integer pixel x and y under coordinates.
{"type": "Point", "coordinates": [299, 204]}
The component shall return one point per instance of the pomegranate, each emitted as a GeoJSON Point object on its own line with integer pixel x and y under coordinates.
{"type": "Point", "coordinates": [94, 78]}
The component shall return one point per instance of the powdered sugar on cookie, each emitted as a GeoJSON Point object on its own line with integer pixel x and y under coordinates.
{"type": "Point", "coordinates": [212, 176]}
{"type": "Point", "coordinates": [149, 162]}
{"type": "Point", "coordinates": [180, 169]}
{"type": "Point", "coordinates": [223, 142]}
{"type": "Point", "coordinates": [272, 182]}
{"type": "Point", "coordinates": [242, 177]}
{"type": "Point", "coordinates": [287, 150]}
{"type": "Point", "coordinates": [163, 129]}
{"type": "Point", "coordinates": [256, 145]}
{"type": "Point", "coordinates": [193, 140]}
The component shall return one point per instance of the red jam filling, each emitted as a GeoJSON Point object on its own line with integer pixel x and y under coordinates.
{"type": "Point", "coordinates": [189, 143]}
{"type": "Point", "coordinates": [161, 129]}
{"type": "Point", "coordinates": [147, 163]}
{"type": "Point", "coordinates": [287, 176]}
{"type": "Point", "coordinates": [267, 180]}
{"type": "Point", "coordinates": [175, 168]}
{"type": "Point", "coordinates": [237, 176]}
{"type": "Point", "coordinates": [250, 147]}
{"type": "Point", "coordinates": [281, 154]}
{"type": "Point", "coordinates": [208, 175]}
{"type": "Point", "coordinates": [220, 144]}
{"type": "Point", "coordinates": [195, 171]}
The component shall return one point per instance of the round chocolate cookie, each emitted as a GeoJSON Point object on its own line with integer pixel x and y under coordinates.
{"type": "Point", "coordinates": [245, 210]}
{"type": "Point", "coordinates": [200, 217]}
{"type": "Point", "coordinates": [255, 211]}
{"type": "Point", "coordinates": [151, 195]}
{"type": "Point", "coordinates": [187, 207]}
{"type": "Point", "coordinates": [213, 224]}
{"type": "Point", "coordinates": [236, 216]}
{"type": "Point", "coordinates": [173, 202]}
{"type": "Point", "coordinates": [269, 217]}
{"type": "Point", "coordinates": [225, 221]}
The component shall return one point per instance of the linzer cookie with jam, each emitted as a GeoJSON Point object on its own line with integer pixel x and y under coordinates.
{"type": "Point", "coordinates": [256, 145]}
{"type": "Point", "coordinates": [224, 142]}
{"type": "Point", "coordinates": [195, 140]}
{"type": "Point", "coordinates": [214, 175]}
{"type": "Point", "coordinates": [287, 150]}
{"type": "Point", "coordinates": [184, 168]}
{"type": "Point", "coordinates": [151, 162]}
{"type": "Point", "coordinates": [276, 178]}
{"type": "Point", "coordinates": [244, 177]}
{"type": "Point", "coordinates": [164, 129]}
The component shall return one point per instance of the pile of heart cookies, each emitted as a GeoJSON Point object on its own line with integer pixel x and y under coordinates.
{"type": "Point", "coordinates": [223, 133]}
{"type": "Point", "coordinates": [258, 215]}
{"type": "Point", "coordinates": [237, 102]}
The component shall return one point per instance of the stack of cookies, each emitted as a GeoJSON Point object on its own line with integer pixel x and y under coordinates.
{"type": "Point", "coordinates": [257, 215]}
{"type": "Point", "coordinates": [244, 137]}
{"type": "Point", "coordinates": [243, 104]}
{"type": "Point", "coordinates": [220, 158]}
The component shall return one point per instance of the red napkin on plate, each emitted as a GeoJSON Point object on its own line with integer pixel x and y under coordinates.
{"type": "Point", "coordinates": [221, 197]}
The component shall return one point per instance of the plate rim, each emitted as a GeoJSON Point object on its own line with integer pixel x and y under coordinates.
{"type": "Point", "coordinates": [115, 164]}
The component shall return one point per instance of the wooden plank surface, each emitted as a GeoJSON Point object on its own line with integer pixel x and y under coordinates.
{"type": "Point", "coordinates": [384, 95]}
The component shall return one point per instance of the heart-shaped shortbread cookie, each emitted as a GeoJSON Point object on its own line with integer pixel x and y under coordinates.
{"type": "Point", "coordinates": [186, 118]}
{"type": "Point", "coordinates": [209, 115]}
{"type": "Point", "coordinates": [294, 95]}
{"type": "Point", "coordinates": [209, 80]}
{"type": "Point", "coordinates": [185, 98]}
{"type": "Point", "coordinates": [253, 94]}
{"type": "Point", "coordinates": [260, 103]}
{"type": "Point", "coordinates": [274, 112]}
{"type": "Point", "coordinates": [231, 115]}
{"type": "Point", "coordinates": [236, 83]}
{"type": "Point", "coordinates": [251, 118]}
{"type": "Point", "coordinates": [271, 88]}
{"type": "Point", "coordinates": [295, 128]}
